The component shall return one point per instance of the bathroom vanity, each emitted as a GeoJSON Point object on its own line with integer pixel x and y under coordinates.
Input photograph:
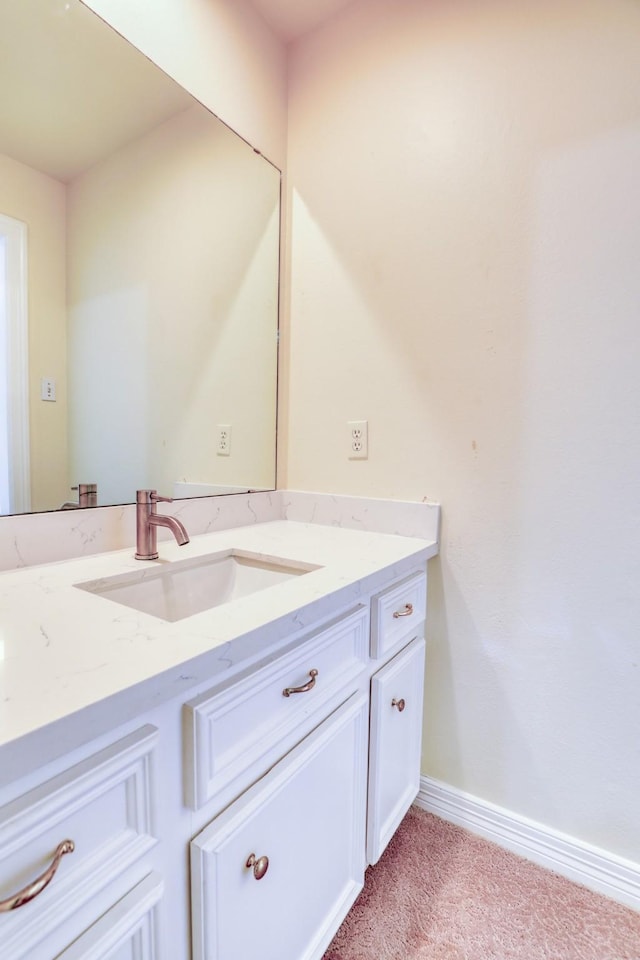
{"type": "Point", "coordinates": [226, 775]}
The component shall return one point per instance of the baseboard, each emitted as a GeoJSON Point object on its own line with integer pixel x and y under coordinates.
{"type": "Point", "coordinates": [592, 867]}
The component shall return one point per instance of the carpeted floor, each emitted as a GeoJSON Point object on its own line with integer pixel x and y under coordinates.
{"type": "Point", "coordinates": [440, 893]}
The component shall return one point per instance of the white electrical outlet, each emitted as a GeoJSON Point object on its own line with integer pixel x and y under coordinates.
{"type": "Point", "coordinates": [358, 439]}
{"type": "Point", "coordinates": [223, 443]}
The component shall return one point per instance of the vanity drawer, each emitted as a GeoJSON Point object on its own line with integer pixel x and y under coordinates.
{"type": "Point", "coordinates": [103, 806]}
{"type": "Point", "coordinates": [274, 875]}
{"type": "Point", "coordinates": [236, 733]}
{"type": "Point", "coordinates": [128, 930]}
{"type": "Point", "coordinates": [397, 614]}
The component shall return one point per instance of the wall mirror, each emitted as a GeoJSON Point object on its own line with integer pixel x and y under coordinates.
{"type": "Point", "coordinates": [139, 244]}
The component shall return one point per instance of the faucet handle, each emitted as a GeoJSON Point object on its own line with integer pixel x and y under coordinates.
{"type": "Point", "coordinates": [156, 498]}
{"type": "Point", "coordinates": [151, 496]}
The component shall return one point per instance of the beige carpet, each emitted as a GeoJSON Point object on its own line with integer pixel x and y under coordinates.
{"type": "Point", "coordinates": [440, 893]}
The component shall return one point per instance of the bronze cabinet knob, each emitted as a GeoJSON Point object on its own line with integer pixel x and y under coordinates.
{"type": "Point", "coordinates": [260, 865]}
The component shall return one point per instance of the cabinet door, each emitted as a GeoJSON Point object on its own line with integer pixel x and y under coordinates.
{"type": "Point", "coordinates": [394, 749]}
{"type": "Point", "coordinates": [307, 816]}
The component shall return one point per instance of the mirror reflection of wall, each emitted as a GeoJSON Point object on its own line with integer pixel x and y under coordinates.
{"type": "Point", "coordinates": [153, 268]}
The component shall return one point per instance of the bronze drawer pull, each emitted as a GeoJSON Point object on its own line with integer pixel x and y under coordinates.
{"type": "Point", "coordinates": [406, 612]}
{"type": "Point", "coordinates": [37, 886]}
{"type": "Point", "coordinates": [260, 866]}
{"type": "Point", "coordinates": [303, 689]}
{"type": "Point", "coordinates": [400, 704]}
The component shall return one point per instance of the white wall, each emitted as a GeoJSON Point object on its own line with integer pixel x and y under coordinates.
{"type": "Point", "coordinates": [222, 52]}
{"type": "Point", "coordinates": [39, 201]}
{"type": "Point", "coordinates": [465, 236]}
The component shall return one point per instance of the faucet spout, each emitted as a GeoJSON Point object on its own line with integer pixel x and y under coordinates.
{"type": "Point", "coordinates": [147, 522]}
{"type": "Point", "coordinates": [176, 526]}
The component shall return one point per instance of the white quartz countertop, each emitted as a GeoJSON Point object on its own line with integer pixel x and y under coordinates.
{"type": "Point", "coordinates": [63, 649]}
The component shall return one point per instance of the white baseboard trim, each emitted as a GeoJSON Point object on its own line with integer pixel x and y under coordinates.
{"type": "Point", "coordinates": [592, 867]}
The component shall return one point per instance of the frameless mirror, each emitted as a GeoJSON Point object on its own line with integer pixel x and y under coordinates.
{"type": "Point", "coordinates": [139, 242]}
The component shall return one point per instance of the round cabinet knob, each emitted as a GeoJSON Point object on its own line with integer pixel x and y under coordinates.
{"type": "Point", "coordinates": [259, 865]}
{"type": "Point", "coordinates": [400, 704]}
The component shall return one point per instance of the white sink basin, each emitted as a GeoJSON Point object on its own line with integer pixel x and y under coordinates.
{"type": "Point", "coordinates": [172, 591]}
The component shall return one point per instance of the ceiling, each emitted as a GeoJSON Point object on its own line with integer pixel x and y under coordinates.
{"type": "Point", "coordinates": [64, 106]}
{"type": "Point", "coordinates": [291, 18]}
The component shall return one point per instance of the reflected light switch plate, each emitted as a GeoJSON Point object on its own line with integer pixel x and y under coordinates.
{"type": "Point", "coordinates": [47, 389]}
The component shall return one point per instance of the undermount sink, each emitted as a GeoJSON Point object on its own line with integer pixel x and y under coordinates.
{"type": "Point", "coordinates": [172, 591]}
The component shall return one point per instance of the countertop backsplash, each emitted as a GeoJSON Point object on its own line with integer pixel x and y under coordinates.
{"type": "Point", "coordinates": [31, 539]}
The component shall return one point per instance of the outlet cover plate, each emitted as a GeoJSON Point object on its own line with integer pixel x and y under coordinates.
{"type": "Point", "coordinates": [223, 439]}
{"type": "Point", "coordinates": [358, 439]}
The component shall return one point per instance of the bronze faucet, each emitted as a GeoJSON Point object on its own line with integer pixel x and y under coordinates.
{"type": "Point", "coordinates": [147, 522]}
{"type": "Point", "coordinates": [87, 497]}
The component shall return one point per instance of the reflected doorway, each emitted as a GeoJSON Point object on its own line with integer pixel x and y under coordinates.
{"type": "Point", "coordinates": [15, 494]}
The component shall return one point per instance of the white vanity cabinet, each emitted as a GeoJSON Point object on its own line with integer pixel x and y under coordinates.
{"type": "Point", "coordinates": [234, 819]}
{"type": "Point", "coordinates": [277, 870]}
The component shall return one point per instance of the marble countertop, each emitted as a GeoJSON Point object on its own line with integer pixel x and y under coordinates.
{"type": "Point", "coordinates": [63, 650]}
